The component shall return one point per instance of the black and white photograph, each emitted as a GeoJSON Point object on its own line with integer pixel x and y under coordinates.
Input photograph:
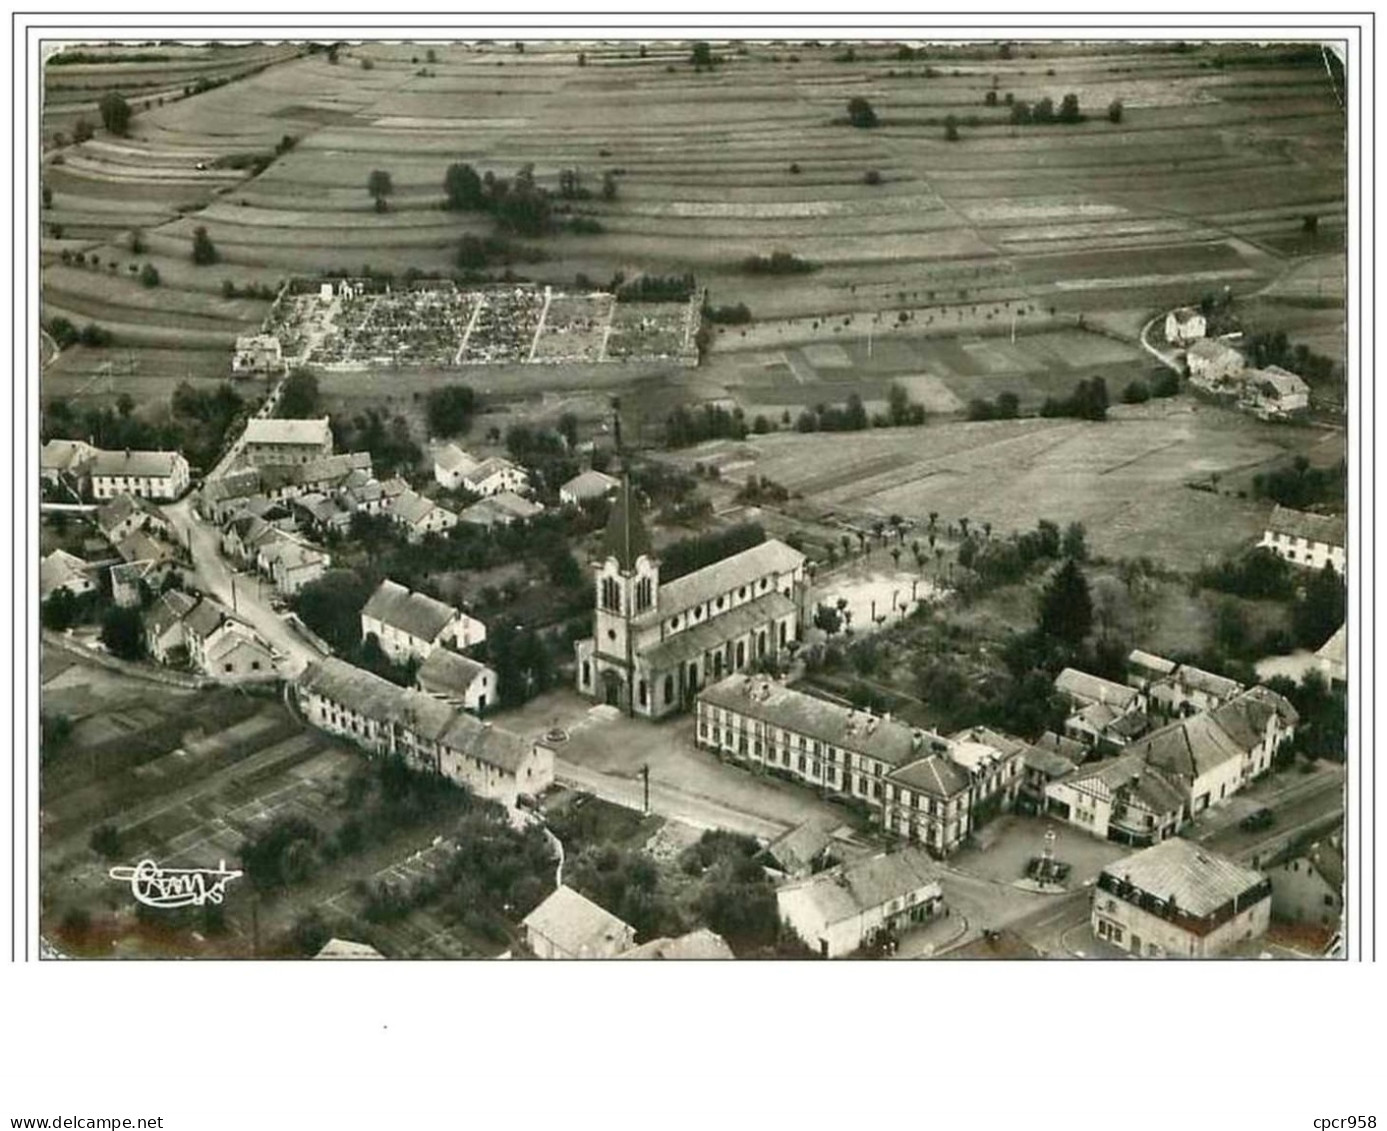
{"type": "Point", "coordinates": [791, 495]}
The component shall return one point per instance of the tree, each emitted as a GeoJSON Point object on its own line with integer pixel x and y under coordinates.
{"type": "Point", "coordinates": [137, 242]}
{"type": "Point", "coordinates": [1066, 606]}
{"type": "Point", "coordinates": [1136, 392]}
{"type": "Point", "coordinates": [990, 98]}
{"type": "Point", "coordinates": [1074, 544]}
{"type": "Point", "coordinates": [204, 251]}
{"type": "Point", "coordinates": [1069, 109]}
{"type": "Point", "coordinates": [609, 186]}
{"type": "Point", "coordinates": [462, 188]}
{"type": "Point", "coordinates": [1044, 111]}
{"type": "Point", "coordinates": [300, 396]}
{"type": "Point", "coordinates": [82, 131]}
{"type": "Point", "coordinates": [702, 56]}
{"type": "Point", "coordinates": [951, 128]}
{"type": "Point", "coordinates": [1322, 609]}
{"type": "Point", "coordinates": [828, 618]}
{"type": "Point", "coordinates": [1115, 111]}
{"type": "Point", "coordinates": [149, 275]}
{"type": "Point", "coordinates": [861, 114]}
{"type": "Point", "coordinates": [449, 410]}
{"type": "Point", "coordinates": [379, 185]}
{"type": "Point", "coordinates": [122, 633]}
{"type": "Point", "coordinates": [115, 113]}
{"type": "Point", "coordinates": [60, 611]}
{"type": "Point", "coordinates": [331, 607]}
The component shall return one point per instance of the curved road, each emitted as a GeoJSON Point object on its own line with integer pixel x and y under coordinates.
{"type": "Point", "coordinates": [249, 598]}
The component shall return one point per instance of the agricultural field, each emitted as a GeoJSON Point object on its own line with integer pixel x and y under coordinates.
{"type": "Point", "coordinates": [1167, 480]}
{"type": "Point", "coordinates": [1032, 227]}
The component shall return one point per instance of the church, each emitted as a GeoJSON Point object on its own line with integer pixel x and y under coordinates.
{"type": "Point", "coordinates": [656, 644]}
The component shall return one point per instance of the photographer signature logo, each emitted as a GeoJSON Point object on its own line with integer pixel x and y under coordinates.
{"type": "Point", "coordinates": [176, 887]}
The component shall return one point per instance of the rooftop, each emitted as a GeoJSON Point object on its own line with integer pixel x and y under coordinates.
{"type": "Point", "coordinates": [713, 632]}
{"type": "Point", "coordinates": [1130, 774]}
{"type": "Point", "coordinates": [575, 924]}
{"type": "Point", "coordinates": [450, 457]}
{"type": "Point", "coordinates": [1196, 879]}
{"type": "Point", "coordinates": [701, 944]}
{"type": "Point", "coordinates": [850, 889]}
{"type": "Point", "coordinates": [167, 610]}
{"type": "Point", "coordinates": [626, 538]}
{"type": "Point", "coordinates": [1198, 679]}
{"type": "Point", "coordinates": [275, 430]}
{"type": "Point", "coordinates": [799, 847]}
{"type": "Point", "coordinates": [1149, 663]}
{"type": "Point", "coordinates": [1335, 649]}
{"type": "Point", "coordinates": [417, 614]}
{"type": "Point", "coordinates": [58, 569]}
{"type": "Point", "coordinates": [345, 948]}
{"type": "Point", "coordinates": [1283, 381]}
{"type": "Point", "coordinates": [376, 698]}
{"type": "Point", "coordinates": [770, 557]}
{"type": "Point", "coordinates": [1328, 529]}
{"type": "Point", "coordinates": [154, 465]}
{"type": "Point", "coordinates": [590, 485]}
{"type": "Point", "coordinates": [444, 672]}
{"type": "Point", "coordinates": [1211, 349]}
{"type": "Point", "coordinates": [64, 455]}
{"type": "Point", "coordinates": [1189, 748]}
{"type": "Point", "coordinates": [1094, 689]}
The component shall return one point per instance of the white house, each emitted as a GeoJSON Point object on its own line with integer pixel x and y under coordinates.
{"type": "Point", "coordinates": [61, 570]}
{"type": "Point", "coordinates": [290, 563]}
{"type": "Point", "coordinates": [1179, 900]}
{"type": "Point", "coordinates": [496, 475]}
{"type": "Point", "coordinates": [1274, 392]}
{"type": "Point", "coordinates": [1213, 363]}
{"type": "Point", "coordinates": [569, 925]}
{"type": "Point", "coordinates": [1123, 799]}
{"type": "Point", "coordinates": [145, 475]}
{"type": "Point", "coordinates": [586, 487]}
{"type": "Point", "coordinates": [1333, 657]}
{"type": "Point", "coordinates": [1084, 690]}
{"type": "Point", "coordinates": [1309, 888]}
{"type": "Point", "coordinates": [839, 911]}
{"type": "Point", "coordinates": [273, 440]}
{"type": "Point", "coordinates": [467, 683]}
{"type": "Point", "coordinates": [235, 654]}
{"type": "Point", "coordinates": [1184, 326]}
{"type": "Point", "coordinates": [66, 459]}
{"type": "Point", "coordinates": [1306, 539]}
{"type": "Point", "coordinates": [420, 516]}
{"type": "Point", "coordinates": [163, 624]}
{"type": "Point", "coordinates": [450, 463]}
{"type": "Point", "coordinates": [414, 624]}
{"type": "Point", "coordinates": [257, 353]}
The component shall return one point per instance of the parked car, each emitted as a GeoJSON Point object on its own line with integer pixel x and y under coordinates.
{"type": "Point", "coordinates": [1258, 819]}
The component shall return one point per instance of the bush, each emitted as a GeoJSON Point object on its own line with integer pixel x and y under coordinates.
{"type": "Point", "coordinates": [115, 113]}
{"type": "Point", "coordinates": [1136, 392]}
{"type": "Point", "coordinates": [777, 263]}
{"type": "Point", "coordinates": [204, 251]}
{"type": "Point", "coordinates": [871, 177]}
{"type": "Point", "coordinates": [1115, 111]}
{"type": "Point", "coordinates": [861, 114]}
{"type": "Point", "coordinates": [149, 275]}
{"type": "Point", "coordinates": [82, 131]}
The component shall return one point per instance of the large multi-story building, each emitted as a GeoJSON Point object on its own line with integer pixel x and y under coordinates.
{"type": "Point", "coordinates": [272, 440]}
{"type": "Point", "coordinates": [412, 625]}
{"type": "Point", "coordinates": [1179, 900]}
{"type": "Point", "coordinates": [428, 733]}
{"type": "Point", "coordinates": [925, 788]}
{"type": "Point", "coordinates": [657, 643]}
{"type": "Point", "coordinates": [1312, 540]}
{"type": "Point", "coordinates": [145, 475]}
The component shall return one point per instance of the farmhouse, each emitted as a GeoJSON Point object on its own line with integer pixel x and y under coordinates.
{"type": "Point", "coordinates": [926, 788]}
{"type": "Point", "coordinates": [1274, 393]}
{"type": "Point", "coordinates": [500, 510]}
{"type": "Point", "coordinates": [465, 683]}
{"type": "Point", "coordinates": [570, 925]}
{"type": "Point", "coordinates": [1189, 689]}
{"type": "Point", "coordinates": [1309, 888]}
{"type": "Point", "coordinates": [1179, 900]}
{"type": "Point", "coordinates": [257, 353]}
{"type": "Point", "coordinates": [1184, 326]}
{"type": "Point", "coordinates": [1213, 363]}
{"type": "Point", "coordinates": [290, 563]}
{"type": "Point", "coordinates": [1084, 690]}
{"type": "Point", "coordinates": [125, 514]}
{"type": "Point", "coordinates": [270, 440]}
{"type": "Point", "coordinates": [495, 475]}
{"type": "Point", "coordinates": [146, 475]}
{"type": "Point", "coordinates": [163, 626]}
{"type": "Point", "coordinates": [409, 624]}
{"type": "Point", "coordinates": [420, 516]}
{"type": "Point", "coordinates": [1312, 540]}
{"type": "Point", "coordinates": [450, 463]}
{"type": "Point", "coordinates": [839, 911]}
{"type": "Point", "coordinates": [61, 570]}
{"type": "Point", "coordinates": [1145, 668]}
{"type": "Point", "coordinates": [220, 498]}
{"type": "Point", "coordinates": [66, 460]}
{"type": "Point", "coordinates": [587, 487]}
{"type": "Point", "coordinates": [237, 655]}
{"type": "Point", "coordinates": [426, 732]}
{"type": "Point", "coordinates": [320, 475]}
{"type": "Point", "coordinates": [656, 644]}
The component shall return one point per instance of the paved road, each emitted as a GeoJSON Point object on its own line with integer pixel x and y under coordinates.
{"type": "Point", "coordinates": [666, 801]}
{"type": "Point", "coordinates": [250, 597]}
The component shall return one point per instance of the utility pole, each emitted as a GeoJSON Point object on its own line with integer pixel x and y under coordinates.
{"type": "Point", "coordinates": [645, 777]}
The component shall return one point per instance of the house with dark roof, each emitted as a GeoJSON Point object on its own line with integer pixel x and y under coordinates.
{"type": "Point", "coordinates": [838, 912]}
{"type": "Point", "coordinates": [272, 440]}
{"type": "Point", "coordinates": [146, 475]}
{"type": "Point", "coordinates": [410, 624]}
{"type": "Point", "coordinates": [163, 626]}
{"type": "Point", "coordinates": [1189, 689]}
{"type": "Point", "coordinates": [1178, 899]}
{"type": "Point", "coordinates": [657, 643]}
{"type": "Point", "coordinates": [917, 784]}
{"type": "Point", "coordinates": [569, 925]}
{"type": "Point", "coordinates": [419, 516]}
{"type": "Point", "coordinates": [505, 508]}
{"type": "Point", "coordinates": [1123, 799]}
{"type": "Point", "coordinates": [1310, 540]}
{"type": "Point", "coordinates": [61, 570]}
{"type": "Point", "coordinates": [125, 514]}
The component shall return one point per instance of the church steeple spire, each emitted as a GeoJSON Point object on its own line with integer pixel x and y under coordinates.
{"type": "Point", "coordinates": [626, 538]}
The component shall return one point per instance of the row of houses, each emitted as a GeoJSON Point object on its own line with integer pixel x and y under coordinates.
{"type": "Point", "coordinates": [1304, 539]}
{"type": "Point", "coordinates": [100, 474]}
{"type": "Point", "coordinates": [428, 732]}
{"type": "Point", "coordinates": [926, 788]}
{"type": "Point", "coordinates": [275, 550]}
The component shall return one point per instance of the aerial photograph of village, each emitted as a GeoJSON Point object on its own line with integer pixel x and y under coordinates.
{"type": "Point", "coordinates": [673, 499]}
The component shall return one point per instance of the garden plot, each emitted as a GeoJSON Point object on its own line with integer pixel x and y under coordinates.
{"type": "Point", "coordinates": [656, 330]}
{"type": "Point", "coordinates": [575, 328]}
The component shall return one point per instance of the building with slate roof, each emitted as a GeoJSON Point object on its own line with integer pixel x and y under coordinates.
{"type": "Point", "coordinates": [927, 789]}
{"type": "Point", "coordinates": [408, 624]}
{"type": "Point", "coordinates": [656, 644]}
{"type": "Point", "coordinates": [146, 475]}
{"type": "Point", "coordinates": [570, 925]}
{"type": "Point", "coordinates": [1309, 888]}
{"type": "Point", "coordinates": [270, 440]}
{"type": "Point", "coordinates": [457, 679]}
{"type": "Point", "coordinates": [1177, 899]}
{"type": "Point", "coordinates": [839, 911]}
{"type": "Point", "coordinates": [1311, 540]}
